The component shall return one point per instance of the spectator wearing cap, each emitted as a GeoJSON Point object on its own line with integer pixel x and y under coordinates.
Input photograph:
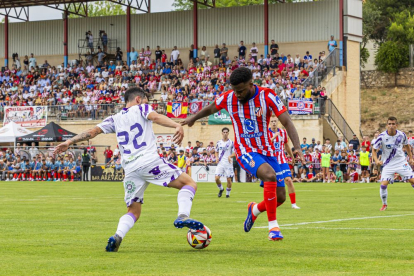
{"type": "Point", "coordinates": [354, 142]}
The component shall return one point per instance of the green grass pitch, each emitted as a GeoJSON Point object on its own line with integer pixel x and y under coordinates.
{"type": "Point", "coordinates": [61, 228]}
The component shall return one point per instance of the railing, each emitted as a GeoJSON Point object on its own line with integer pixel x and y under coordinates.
{"type": "Point", "coordinates": [339, 120]}
{"type": "Point", "coordinates": [323, 69]}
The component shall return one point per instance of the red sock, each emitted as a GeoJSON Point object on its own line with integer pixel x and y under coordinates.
{"type": "Point", "coordinates": [292, 198]}
{"type": "Point", "coordinates": [261, 206]}
{"type": "Point", "coordinates": [65, 176]}
{"type": "Point", "coordinates": [14, 176]}
{"type": "Point", "coordinates": [20, 175]}
{"type": "Point", "coordinates": [48, 175]}
{"type": "Point", "coordinates": [58, 175]}
{"type": "Point", "coordinates": [30, 174]}
{"type": "Point", "coordinates": [72, 176]}
{"type": "Point", "coordinates": [270, 199]}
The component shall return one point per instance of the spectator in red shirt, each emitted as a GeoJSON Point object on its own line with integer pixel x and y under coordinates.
{"type": "Point", "coordinates": [108, 153]}
{"type": "Point", "coordinates": [366, 143]}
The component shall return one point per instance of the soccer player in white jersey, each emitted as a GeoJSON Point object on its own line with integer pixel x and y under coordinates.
{"type": "Point", "coordinates": [224, 155]}
{"type": "Point", "coordinates": [393, 160]}
{"type": "Point", "coordinates": [141, 162]}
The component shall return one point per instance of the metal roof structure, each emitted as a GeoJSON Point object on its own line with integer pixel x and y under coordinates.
{"type": "Point", "coordinates": [19, 9]}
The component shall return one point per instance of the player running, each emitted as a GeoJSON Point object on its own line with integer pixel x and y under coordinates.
{"type": "Point", "coordinates": [250, 108]}
{"type": "Point", "coordinates": [280, 139]}
{"type": "Point", "coordinates": [224, 154]}
{"type": "Point", "coordinates": [392, 142]}
{"type": "Point", "coordinates": [141, 162]}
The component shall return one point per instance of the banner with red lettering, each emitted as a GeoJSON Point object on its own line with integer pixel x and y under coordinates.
{"type": "Point", "coordinates": [300, 106]}
{"type": "Point", "coordinates": [26, 116]}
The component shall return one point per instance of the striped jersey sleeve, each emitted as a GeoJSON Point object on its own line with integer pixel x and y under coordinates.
{"type": "Point", "coordinates": [275, 103]}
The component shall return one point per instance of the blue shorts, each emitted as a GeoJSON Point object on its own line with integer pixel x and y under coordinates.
{"type": "Point", "coordinates": [250, 162]}
{"type": "Point", "coordinates": [78, 169]}
{"type": "Point", "coordinates": [286, 170]}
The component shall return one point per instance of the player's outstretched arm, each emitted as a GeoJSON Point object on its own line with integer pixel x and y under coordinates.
{"type": "Point", "coordinates": [167, 122]}
{"type": "Point", "coordinates": [206, 111]}
{"type": "Point", "coordinates": [86, 135]}
{"type": "Point", "coordinates": [286, 121]}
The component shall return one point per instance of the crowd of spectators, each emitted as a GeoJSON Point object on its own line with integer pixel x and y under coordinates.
{"type": "Point", "coordinates": [34, 163]}
{"type": "Point", "coordinates": [344, 160]}
{"type": "Point", "coordinates": [91, 90]}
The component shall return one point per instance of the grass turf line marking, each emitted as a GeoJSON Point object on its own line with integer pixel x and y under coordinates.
{"type": "Point", "coordinates": [355, 228]}
{"type": "Point", "coordinates": [337, 220]}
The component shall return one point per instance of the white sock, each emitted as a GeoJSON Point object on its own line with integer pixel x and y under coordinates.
{"type": "Point", "coordinates": [185, 200]}
{"type": "Point", "coordinates": [367, 179]}
{"type": "Point", "coordinates": [256, 211]}
{"type": "Point", "coordinates": [126, 222]}
{"type": "Point", "coordinates": [273, 224]}
{"type": "Point", "coordinates": [228, 190]}
{"type": "Point", "coordinates": [384, 194]}
{"type": "Point", "coordinates": [220, 187]}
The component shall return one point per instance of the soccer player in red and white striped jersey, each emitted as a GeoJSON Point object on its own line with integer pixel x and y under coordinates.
{"type": "Point", "coordinates": [280, 139]}
{"type": "Point", "coordinates": [250, 108]}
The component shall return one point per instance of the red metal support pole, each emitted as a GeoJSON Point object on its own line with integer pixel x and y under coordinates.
{"type": "Point", "coordinates": [6, 41]}
{"type": "Point", "coordinates": [266, 27]}
{"type": "Point", "coordinates": [195, 28]}
{"type": "Point", "coordinates": [128, 27]}
{"type": "Point", "coordinates": [149, 6]}
{"type": "Point", "coordinates": [65, 40]}
{"type": "Point", "coordinates": [341, 32]}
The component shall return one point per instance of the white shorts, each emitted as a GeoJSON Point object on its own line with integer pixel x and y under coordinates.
{"type": "Point", "coordinates": [159, 172]}
{"type": "Point", "coordinates": [404, 170]}
{"type": "Point", "coordinates": [226, 171]}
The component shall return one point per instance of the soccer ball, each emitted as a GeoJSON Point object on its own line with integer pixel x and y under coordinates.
{"type": "Point", "coordinates": [199, 239]}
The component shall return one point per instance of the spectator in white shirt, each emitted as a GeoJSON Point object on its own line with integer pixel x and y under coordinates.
{"type": "Point", "coordinates": [254, 51]}
{"type": "Point", "coordinates": [175, 54]}
{"type": "Point", "coordinates": [338, 145]}
{"type": "Point", "coordinates": [32, 62]}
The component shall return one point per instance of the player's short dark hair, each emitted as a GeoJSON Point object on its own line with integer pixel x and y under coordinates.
{"type": "Point", "coordinates": [392, 118]}
{"type": "Point", "coordinates": [132, 93]}
{"type": "Point", "coordinates": [241, 75]}
{"type": "Point", "coordinates": [225, 128]}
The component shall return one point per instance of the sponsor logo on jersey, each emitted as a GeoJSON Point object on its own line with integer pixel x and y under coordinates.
{"type": "Point", "coordinates": [130, 187]}
{"type": "Point", "coordinates": [133, 158]}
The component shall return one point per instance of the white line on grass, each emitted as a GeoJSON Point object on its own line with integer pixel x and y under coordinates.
{"type": "Point", "coordinates": [350, 228]}
{"type": "Point", "coordinates": [337, 220]}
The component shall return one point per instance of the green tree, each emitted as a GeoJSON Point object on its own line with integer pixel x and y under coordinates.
{"type": "Point", "coordinates": [103, 8]}
{"type": "Point", "coordinates": [391, 57]}
{"type": "Point", "coordinates": [182, 5]}
{"type": "Point", "coordinates": [381, 13]}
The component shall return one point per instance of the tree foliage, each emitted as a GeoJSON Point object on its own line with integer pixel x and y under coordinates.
{"type": "Point", "coordinates": [103, 8]}
{"type": "Point", "coordinates": [379, 14]}
{"type": "Point", "coordinates": [183, 5]}
{"type": "Point", "coordinates": [391, 57]}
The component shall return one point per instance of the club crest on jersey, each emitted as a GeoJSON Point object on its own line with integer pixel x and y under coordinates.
{"type": "Point", "coordinates": [252, 163]}
{"type": "Point", "coordinates": [258, 111]}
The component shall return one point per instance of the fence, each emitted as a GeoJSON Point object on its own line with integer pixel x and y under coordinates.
{"type": "Point", "coordinates": [323, 69]}
{"type": "Point", "coordinates": [339, 120]}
